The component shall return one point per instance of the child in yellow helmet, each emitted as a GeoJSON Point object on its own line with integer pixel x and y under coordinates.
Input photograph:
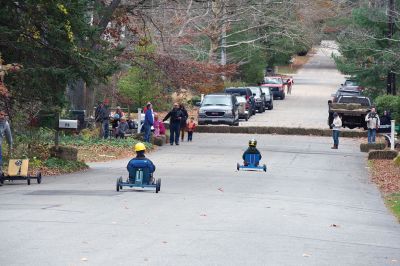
{"type": "Point", "coordinates": [251, 150]}
{"type": "Point", "coordinates": [140, 161]}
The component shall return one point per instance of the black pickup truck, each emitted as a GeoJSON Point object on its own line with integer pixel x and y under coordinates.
{"type": "Point", "coordinates": [351, 109]}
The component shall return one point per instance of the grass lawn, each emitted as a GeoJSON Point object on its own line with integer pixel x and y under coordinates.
{"type": "Point", "coordinates": [393, 202]}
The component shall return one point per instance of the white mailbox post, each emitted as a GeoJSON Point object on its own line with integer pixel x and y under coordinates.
{"type": "Point", "coordinates": [64, 124]}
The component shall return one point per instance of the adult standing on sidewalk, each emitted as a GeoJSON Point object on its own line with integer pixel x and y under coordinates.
{"type": "Point", "coordinates": [104, 117]}
{"type": "Point", "coordinates": [336, 126]}
{"type": "Point", "coordinates": [97, 119]}
{"type": "Point", "coordinates": [148, 122]}
{"type": "Point", "coordinates": [175, 116]}
{"type": "Point", "coordinates": [185, 116]}
{"type": "Point", "coordinates": [373, 124]}
{"type": "Point", "coordinates": [5, 131]}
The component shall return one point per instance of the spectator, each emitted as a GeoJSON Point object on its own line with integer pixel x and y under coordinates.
{"type": "Point", "coordinates": [148, 122]}
{"type": "Point", "coordinates": [336, 125]}
{"type": "Point", "coordinates": [104, 116]}
{"type": "Point", "coordinates": [5, 131]}
{"type": "Point", "coordinates": [97, 118]}
{"type": "Point", "coordinates": [175, 116]}
{"type": "Point", "coordinates": [159, 128]}
{"type": "Point", "coordinates": [114, 123]}
{"type": "Point", "coordinates": [373, 124]}
{"type": "Point", "coordinates": [289, 82]}
{"type": "Point", "coordinates": [185, 116]}
{"type": "Point", "coordinates": [122, 128]}
{"type": "Point", "coordinates": [191, 125]}
{"type": "Point", "coordinates": [385, 125]}
{"type": "Point", "coordinates": [119, 112]}
{"type": "Point", "coordinates": [131, 123]}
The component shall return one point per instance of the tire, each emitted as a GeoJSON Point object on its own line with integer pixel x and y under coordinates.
{"type": "Point", "coordinates": [238, 166]}
{"type": "Point", "coordinates": [265, 168]}
{"type": "Point", "coordinates": [28, 180]}
{"type": "Point", "coordinates": [283, 96]}
{"type": "Point", "coordinates": [117, 186]}
{"type": "Point", "coordinates": [39, 178]}
{"type": "Point", "coordinates": [158, 185]}
{"type": "Point", "coordinates": [246, 118]}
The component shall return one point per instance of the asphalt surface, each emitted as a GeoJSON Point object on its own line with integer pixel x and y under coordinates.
{"type": "Point", "coordinates": [307, 106]}
{"type": "Point", "coordinates": [314, 206]}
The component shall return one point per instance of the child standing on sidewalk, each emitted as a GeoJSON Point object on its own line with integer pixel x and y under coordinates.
{"type": "Point", "coordinates": [191, 125]}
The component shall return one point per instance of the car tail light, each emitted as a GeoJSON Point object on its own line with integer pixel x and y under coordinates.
{"type": "Point", "coordinates": [247, 105]}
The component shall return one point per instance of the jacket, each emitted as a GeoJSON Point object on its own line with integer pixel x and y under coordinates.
{"type": "Point", "coordinates": [140, 162]}
{"type": "Point", "coordinates": [148, 117]}
{"type": "Point", "coordinates": [337, 123]}
{"type": "Point", "coordinates": [123, 127]}
{"type": "Point", "coordinates": [185, 116]}
{"type": "Point", "coordinates": [5, 132]}
{"type": "Point", "coordinates": [103, 114]}
{"type": "Point", "coordinates": [251, 150]}
{"type": "Point", "coordinates": [175, 115]}
{"type": "Point", "coordinates": [191, 126]}
{"type": "Point", "coordinates": [372, 120]}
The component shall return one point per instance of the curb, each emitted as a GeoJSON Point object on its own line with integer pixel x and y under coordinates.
{"type": "Point", "coordinates": [278, 131]}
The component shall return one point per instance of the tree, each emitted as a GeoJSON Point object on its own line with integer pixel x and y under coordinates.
{"type": "Point", "coordinates": [53, 42]}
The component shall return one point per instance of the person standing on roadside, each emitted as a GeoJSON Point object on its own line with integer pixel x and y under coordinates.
{"type": "Point", "coordinates": [289, 85]}
{"type": "Point", "coordinates": [175, 116]}
{"type": "Point", "coordinates": [148, 122]}
{"type": "Point", "coordinates": [104, 117]}
{"type": "Point", "coordinates": [97, 119]}
{"type": "Point", "coordinates": [191, 125]}
{"type": "Point", "coordinates": [5, 132]}
{"type": "Point", "coordinates": [336, 126]}
{"type": "Point", "coordinates": [373, 124]}
{"type": "Point", "coordinates": [185, 116]}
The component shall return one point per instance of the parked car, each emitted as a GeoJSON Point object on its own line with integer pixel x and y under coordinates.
{"type": "Point", "coordinates": [352, 110]}
{"type": "Point", "coordinates": [276, 85]}
{"type": "Point", "coordinates": [268, 98]}
{"type": "Point", "coordinates": [246, 92]}
{"type": "Point", "coordinates": [351, 84]}
{"type": "Point", "coordinates": [243, 107]}
{"type": "Point", "coordinates": [342, 92]}
{"type": "Point", "coordinates": [219, 108]}
{"type": "Point", "coordinates": [259, 98]}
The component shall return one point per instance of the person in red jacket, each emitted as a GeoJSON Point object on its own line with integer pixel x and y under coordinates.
{"type": "Point", "coordinates": [191, 125]}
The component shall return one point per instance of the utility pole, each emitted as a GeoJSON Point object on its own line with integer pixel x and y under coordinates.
{"type": "Point", "coordinates": [391, 78]}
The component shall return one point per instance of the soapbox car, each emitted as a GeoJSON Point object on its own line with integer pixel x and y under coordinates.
{"type": "Point", "coordinates": [18, 170]}
{"type": "Point", "coordinates": [252, 163]}
{"type": "Point", "coordinates": [141, 178]}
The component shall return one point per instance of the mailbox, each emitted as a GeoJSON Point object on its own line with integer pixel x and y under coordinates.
{"type": "Point", "coordinates": [67, 124]}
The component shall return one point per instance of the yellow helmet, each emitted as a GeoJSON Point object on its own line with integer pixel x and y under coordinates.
{"type": "Point", "coordinates": [140, 147]}
{"type": "Point", "coordinates": [253, 142]}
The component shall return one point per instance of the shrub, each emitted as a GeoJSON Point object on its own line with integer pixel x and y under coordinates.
{"type": "Point", "coordinates": [366, 147]}
{"type": "Point", "coordinates": [397, 161]}
{"type": "Point", "coordinates": [64, 165]}
{"type": "Point", "coordinates": [390, 103]}
{"type": "Point", "coordinates": [382, 155]}
{"type": "Point", "coordinates": [195, 99]}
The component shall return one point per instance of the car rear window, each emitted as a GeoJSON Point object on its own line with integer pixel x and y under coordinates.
{"type": "Point", "coordinates": [256, 91]}
{"type": "Point", "coordinates": [217, 100]}
{"type": "Point", "coordinates": [238, 91]}
{"type": "Point", "coordinates": [360, 100]}
{"type": "Point", "coordinates": [270, 80]}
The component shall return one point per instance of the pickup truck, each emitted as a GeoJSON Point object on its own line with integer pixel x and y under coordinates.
{"type": "Point", "coordinates": [351, 109]}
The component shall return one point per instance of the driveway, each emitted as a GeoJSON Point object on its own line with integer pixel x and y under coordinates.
{"type": "Point", "coordinates": [307, 106]}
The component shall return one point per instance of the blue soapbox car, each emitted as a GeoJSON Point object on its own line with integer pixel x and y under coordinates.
{"type": "Point", "coordinates": [252, 163]}
{"type": "Point", "coordinates": [141, 178]}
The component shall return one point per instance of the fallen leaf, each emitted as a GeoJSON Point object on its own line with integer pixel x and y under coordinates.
{"type": "Point", "coordinates": [165, 242]}
{"type": "Point", "coordinates": [221, 189]}
{"type": "Point", "coordinates": [334, 225]}
{"type": "Point", "coordinates": [203, 214]}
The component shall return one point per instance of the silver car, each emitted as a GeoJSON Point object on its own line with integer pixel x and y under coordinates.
{"type": "Point", "coordinates": [219, 108]}
{"type": "Point", "coordinates": [243, 110]}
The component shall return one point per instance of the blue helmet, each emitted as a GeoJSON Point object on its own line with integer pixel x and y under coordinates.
{"type": "Point", "coordinates": [116, 116]}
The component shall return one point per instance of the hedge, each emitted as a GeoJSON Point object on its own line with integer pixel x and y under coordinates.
{"type": "Point", "coordinates": [366, 147]}
{"type": "Point", "coordinates": [278, 131]}
{"type": "Point", "coordinates": [382, 155]}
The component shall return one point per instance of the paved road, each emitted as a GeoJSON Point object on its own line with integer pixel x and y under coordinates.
{"type": "Point", "coordinates": [307, 106]}
{"type": "Point", "coordinates": [208, 213]}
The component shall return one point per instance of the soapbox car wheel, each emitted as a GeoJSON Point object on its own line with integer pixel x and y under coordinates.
{"type": "Point", "coordinates": [39, 178]}
{"type": "Point", "coordinates": [2, 178]}
{"type": "Point", "coordinates": [265, 168]}
{"type": "Point", "coordinates": [238, 166]}
{"type": "Point", "coordinates": [28, 180]}
{"type": "Point", "coordinates": [158, 185]}
{"type": "Point", "coordinates": [117, 185]}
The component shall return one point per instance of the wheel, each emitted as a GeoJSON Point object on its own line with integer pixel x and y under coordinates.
{"type": "Point", "coordinates": [238, 166]}
{"type": "Point", "coordinates": [39, 178]}
{"type": "Point", "coordinates": [117, 186]}
{"type": "Point", "coordinates": [2, 178]}
{"type": "Point", "coordinates": [283, 96]}
{"type": "Point", "coordinates": [158, 185]}
{"type": "Point", "coordinates": [28, 180]}
{"type": "Point", "coordinates": [246, 118]}
{"type": "Point", "coordinates": [265, 168]}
